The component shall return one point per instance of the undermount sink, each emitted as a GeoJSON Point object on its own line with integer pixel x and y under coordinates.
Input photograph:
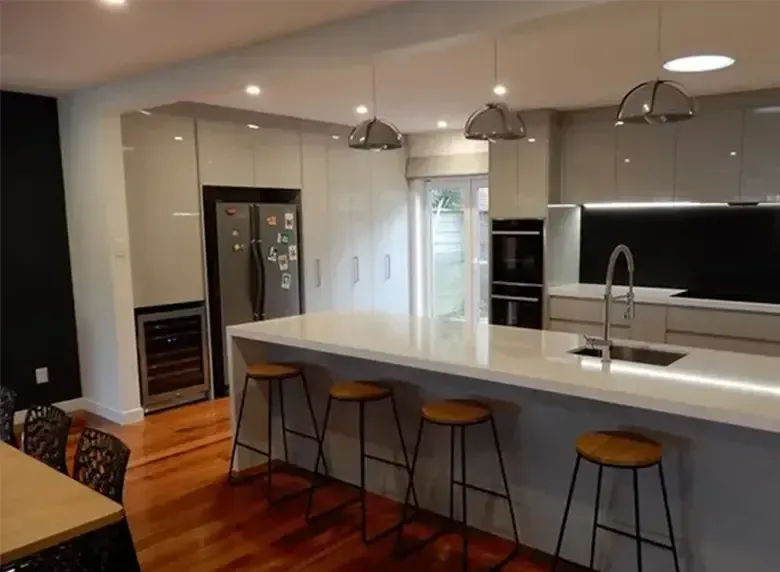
{"type": "Point", "coordinates": [636, 355]}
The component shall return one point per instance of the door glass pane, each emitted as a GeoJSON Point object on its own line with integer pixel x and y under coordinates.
{"type": "Point", "coordinates": [448, 243]}
{"type": "Point", "coordinates": [482, 239]}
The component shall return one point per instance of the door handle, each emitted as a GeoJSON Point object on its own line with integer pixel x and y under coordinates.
{"type": "Point", "coordinates": [318, 272]}
{"type": "Point", "coordinates": [388, 270]}
{"type": "Point", "coordinates": [355, 270]}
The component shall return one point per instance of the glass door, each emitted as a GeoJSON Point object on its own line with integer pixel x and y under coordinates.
{"type": "Point", "coordinates": [457, 231]}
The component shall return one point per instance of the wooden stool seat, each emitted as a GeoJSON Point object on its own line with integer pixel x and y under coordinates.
{"type": "Point", "coordinates": [268, 371]}
{"type": "Point", "coordinates": [456, 412]}
{"type": "Point", "coordinates": [358, 391]}
{"type": "Point", "coordinates": [620, 449]}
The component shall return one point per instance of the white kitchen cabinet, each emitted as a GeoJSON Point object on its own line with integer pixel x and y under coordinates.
{"type": "Point", "coordinates": [362, 229]}
{"type": "Point", "coordinates": [226, 154]}
{"type": "Point", "coordinates": [587, 316]}
{"type": "Point", "coordinates": [645, 162]}
{"type": "Point", "coordinates": [163, 208]}
{"type": "Point", "coordinates": [725, 323]}
{"type": "Point", "coordinates": [343, 258]}
{"type": "Point", "coordinates": [720, 343]}
{"type": "Point", "coordinates": [709, 156]}
{"type": "Point", "coordinates": [316, 251]}
{"type": "Point", "coordinates": [277, 158]}
{"type": "Point", "coordinates": [502, 179]}
{"type": "Point", "coordinates": [760, 178]}
{"type": "Point", "coordinates": [588, 145]}
{"type": "Point", "coordinates": [390, 202]}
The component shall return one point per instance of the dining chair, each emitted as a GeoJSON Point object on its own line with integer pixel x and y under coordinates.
{"type": "Point", "coordinates": [7, 409]}
{"type": "Point", "coordinates": [45, 435]}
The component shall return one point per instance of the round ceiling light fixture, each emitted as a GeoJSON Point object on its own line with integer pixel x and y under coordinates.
{"type": "Point", "coordinates": [699, 63]}
{"type": "Point", "coordinates": [374, 134]}
{"type": "Point", "coordinates": [441, 124]}
{"type": "Point", "coordinates": [500, 89]}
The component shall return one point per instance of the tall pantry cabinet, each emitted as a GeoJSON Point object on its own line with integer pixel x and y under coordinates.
{"type": "Point", "coordinates": [355, 227]}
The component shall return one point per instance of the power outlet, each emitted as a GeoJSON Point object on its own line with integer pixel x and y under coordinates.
{"type": "Point", "coordinates": [42, 375]}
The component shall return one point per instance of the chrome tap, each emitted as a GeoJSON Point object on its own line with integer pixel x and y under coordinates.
{"type": "Point", "coordinates": [605, 344]}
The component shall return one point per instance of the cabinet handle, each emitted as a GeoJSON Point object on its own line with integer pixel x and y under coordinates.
{"type": "Point", "coordinates": [515, 298]}
{"type": "Point", "coordinates": [319, 273]}
{"type": "Point", "coordinates": [355, 270]}
{"type": "Point", "coordinates": [387, 267]}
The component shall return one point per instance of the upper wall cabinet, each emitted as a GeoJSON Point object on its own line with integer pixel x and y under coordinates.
{"type": "Point", "coordinates": [226, 154]}
{"type": "Point", "coordinates": [709, 156]}
{"type": "Point", "coordinates": [277, 158]}
{"type": "Point", "coordinates": [761, 155]}
{"type": "Point", "coordinates": [163, 209]}
{"type": "Point", "coordinates": [588, 143]}
{"type": "Point", "coordinates": [644, 163]}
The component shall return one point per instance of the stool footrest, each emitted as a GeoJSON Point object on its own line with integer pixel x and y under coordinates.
{"type": "Point", "coordinates": [301, 435]}
{"type": "Point", "coordinates": [634, 536]}
{"type": "Point", "coordinates": [386, 461]}
{"type": "Point", "coordinates": [251, 448]}
{"type": "Point", "coordinates": [480, 489]}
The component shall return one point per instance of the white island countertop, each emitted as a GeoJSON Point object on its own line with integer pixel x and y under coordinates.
{"type": "Point", "coordinates": [723, 387]}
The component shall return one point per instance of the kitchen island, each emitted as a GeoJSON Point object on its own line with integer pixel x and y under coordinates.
{"type": "Point", "coordinates": [717, 413]}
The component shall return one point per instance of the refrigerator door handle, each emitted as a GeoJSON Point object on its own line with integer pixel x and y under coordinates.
{"type": "Point", "coordinates": [258, 268]}
{"type": "Point", "coordinates": [318, 272]}
{"type": "Point", "coordinates": [388, 269]}
{"type": "Point", "coordinates": [355, 270]}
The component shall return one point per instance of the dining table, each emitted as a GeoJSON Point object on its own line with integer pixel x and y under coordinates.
{"type": "Point", "coordinates": [41, 507]}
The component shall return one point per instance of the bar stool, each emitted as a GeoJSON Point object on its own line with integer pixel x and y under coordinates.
{"type": "Point", "coordinates": [619, 450]}
{"type": "Point", "coordinates": [274, 373]}
{"type": "Point", "coordinates": [362, 393]}
{"type": "Point", "coordinates": [463, 413]}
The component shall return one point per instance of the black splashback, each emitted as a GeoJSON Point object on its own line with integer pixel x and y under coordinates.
{"type": "Point", "coordinates": [725, 249]}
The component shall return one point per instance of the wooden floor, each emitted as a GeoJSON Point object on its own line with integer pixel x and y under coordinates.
{"type": "Point", "coordinates": [184, 516]}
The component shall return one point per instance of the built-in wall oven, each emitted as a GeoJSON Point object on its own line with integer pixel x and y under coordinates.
{"type": "Point", "coordinates": [517, 272]}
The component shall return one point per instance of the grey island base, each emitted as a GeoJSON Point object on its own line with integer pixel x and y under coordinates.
{"type": "Point", "coordinates": [716, 413]}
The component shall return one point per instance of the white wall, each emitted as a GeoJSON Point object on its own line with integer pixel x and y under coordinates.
{"type": "Point", "coordinates": [443, 154]}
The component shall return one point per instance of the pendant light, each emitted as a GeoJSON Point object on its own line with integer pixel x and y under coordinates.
{"type": "Point", "coordinates": [494, 121]}
{"type": "Point", "coordinates": [658, 101]}
{"type": "Point", "coordinates": [375, 134]}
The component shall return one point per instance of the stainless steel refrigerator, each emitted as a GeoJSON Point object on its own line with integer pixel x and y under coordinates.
{"type": "Point", "coordinates": [258, 263]}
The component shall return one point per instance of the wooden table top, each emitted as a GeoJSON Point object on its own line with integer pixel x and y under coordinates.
{"type": "Point", "coordinates": [40, 507]}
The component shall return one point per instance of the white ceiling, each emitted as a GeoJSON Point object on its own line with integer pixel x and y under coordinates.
{"type": "Point", "coordinates": [58, 45]}
{"type": "Point", "coordinates": [584, 58]}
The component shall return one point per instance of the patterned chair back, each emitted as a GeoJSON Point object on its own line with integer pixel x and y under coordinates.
{"type": "Point", "coordinates": [101, 462]}
{"type": "Point", "coordinates": [45, 435]}
{"type": "Point", "coordinates": [7, 409]}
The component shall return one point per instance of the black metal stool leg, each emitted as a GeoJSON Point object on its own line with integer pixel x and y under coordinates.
{"type": "Point", "coordinates": [238, 427]}
{"type": "Point", "coordinates": [403, 449]}
{"type": "Point", "coordinates": [362, 440]}
{"type": "Point", "coordinates": [506, 481]}
{"type": "Point", "coordinates": [284, 421]}
{"type": "Point", "coordinates": [557, 555]}
{"type": "Point", "coordinates": [415, 457]}
{"type": "Point", "coordinates": [452, 473]}
{"type": "Point", "coordinates": [596, 517]}
{"type": "Point", "coordinates": [464, 510]}
{"type": "Point", "coordinates": [668, 518]}
{"type": "Point", "coordinates": [636, 522]}
{"type": "Point", "coordinates": [270, 473]}
{"type": "Point", "coordinates": [320, 454]}
{"type": "Point", "coordinates": [313, 420]}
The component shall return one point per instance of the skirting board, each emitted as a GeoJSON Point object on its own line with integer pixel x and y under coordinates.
{"type": "Point", "coordinates": [78, 404]}
{"type": "Point", "coordinates": [120, 417]}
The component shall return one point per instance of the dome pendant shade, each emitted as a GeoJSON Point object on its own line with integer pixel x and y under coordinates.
{"type": "Point", "coordinates": [375, 135]}
{"type": "Point", "coordinates": [494, 122]}
{"type": "Point", "coordinates": [656, 102]}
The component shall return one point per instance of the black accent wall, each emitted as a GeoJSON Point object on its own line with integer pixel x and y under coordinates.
{"type": "Point", "coordinates": [723, 249]}
{"type": "Point", "coordinates": [37, 314]}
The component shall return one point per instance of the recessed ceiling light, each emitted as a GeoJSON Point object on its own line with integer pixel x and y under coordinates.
{"type": "Point", "coordinates": [733, 153]}
{"type": "Point", "coordinates": [532, 139]}
{"type": "Point", "coordinates": [618, 123]}
{"type": "Point", "coordinates": [144, 112]}
{"type": "Point", "coordinates": [361, 109]}
{"type": "Point", "coordinates": [626, 160]}
{"type": "Point", "coordinates": [252, 126]}
{"type": "Point", "coordinates": [699, 63]}
{"type": "Point", "coordinates": [253, 90]}
{"type": "Point", "coordinates": [178, 138]}
{"type": "Point", "coordinates": [336, 137]}
{"type": "Point", "coordinates": [441, 124]}
{"type": "Point", "coordinates": [767, 109]}
{"type": "Point", "coordinates": [500, 89]}
{"type": "Point", "coordinates": [113, 2]}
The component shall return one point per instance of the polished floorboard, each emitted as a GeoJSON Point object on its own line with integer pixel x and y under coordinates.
{"type": "Point", "coordinates": [185, 517]}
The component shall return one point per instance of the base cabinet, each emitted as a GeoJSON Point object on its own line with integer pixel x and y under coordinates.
{"type": "Point", "coordinates": [587, 317]}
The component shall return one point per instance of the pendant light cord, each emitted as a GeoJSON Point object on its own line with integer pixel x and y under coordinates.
{"type": "Point", "coordinates": [495, 62]}
{"type": "Point", "coordinates": [659, 34]}
{"type": "Point", "coordinates": [373, 85]}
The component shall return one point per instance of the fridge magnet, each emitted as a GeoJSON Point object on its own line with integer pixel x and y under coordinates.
{"type": "Point", "coordinates": [273, 252]}
{"type": "Point", "coordinates": [279, 238]}
{"type": "Point", "coordinates": [285, 237]}
{"type": "Point", "coordinates": [271, 220]}
{"type": "Point", "coordinates": [293, 253]}
{"type": "Point", "coordinates": [286, 280]}
{"type": "Point", "coordinates": [283, 262]}
{"type": "Point", "coordinates": [289, 219]}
